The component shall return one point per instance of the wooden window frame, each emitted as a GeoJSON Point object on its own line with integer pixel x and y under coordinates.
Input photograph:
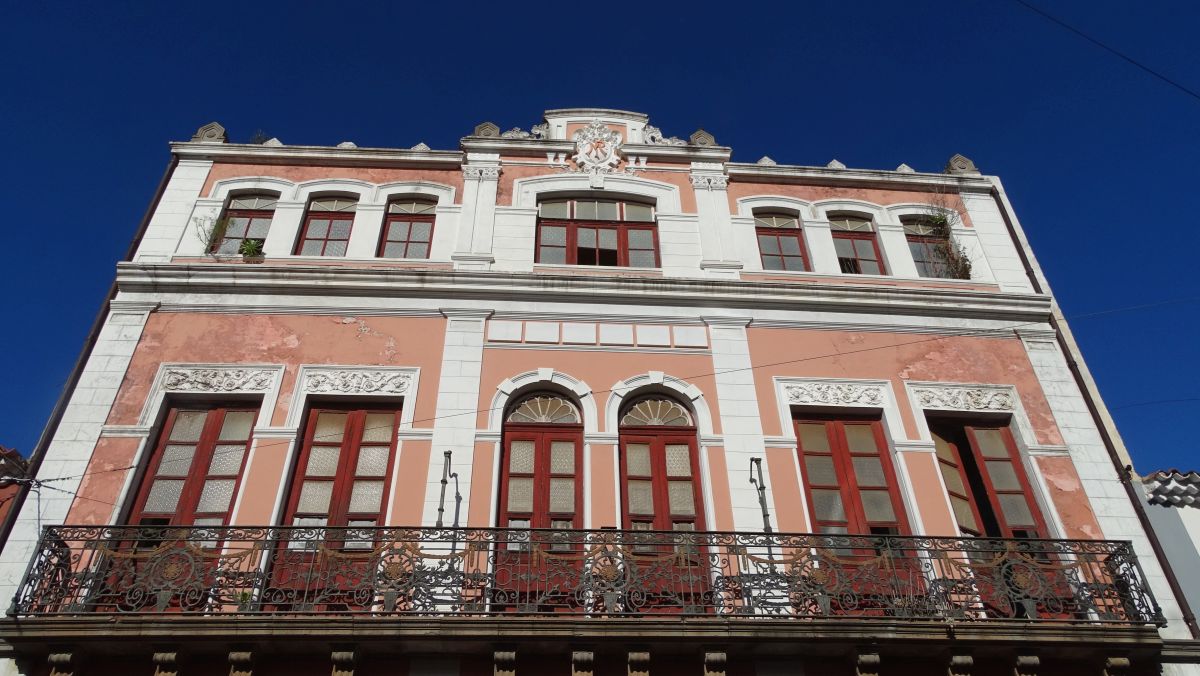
{"type": "Point", "coordinates": [250, 214]}
{"type": "Point", "coordinates": [338, 512]}
{"type": "Point", "coordinates": [620, 225]}
{"type": "Point", "coordinates": [542, 435]}
{"type": "Point", "coordinates": [859, 235]}
{"type": "Point", "coordinates": [390, 218]}
{"type": "Point", "coordinates": [778, 234]}
{"type": "Point", "coordinates": [843, 462]}
{"type": "Point", "coordinates": [658, 437]}
{"type": "Point", "coordinates": [186, 507]}
{"type": "Point", "coordinates": [309, 216]}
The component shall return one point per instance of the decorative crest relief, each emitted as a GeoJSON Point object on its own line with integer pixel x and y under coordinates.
{"type": "Point", "coordinates": [837, 394]}
{"type": "Point", "coordinates": [357, 382]}
{"type": "Point", "coordinates": [965, 398]}
{"type": "Point", "coordinates": [653, 136]}
{"type": "Point", "coordinates": [597, 149]}
{"type": "Point", "coordinates": [183, 379]}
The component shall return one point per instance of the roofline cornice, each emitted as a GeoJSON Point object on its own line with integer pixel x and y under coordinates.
{"type": "Point", "coordinates": [870, 177]}
{"type": "Point", "coordinates": [259, 154]}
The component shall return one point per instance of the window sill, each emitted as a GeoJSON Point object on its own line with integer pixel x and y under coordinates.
{"type": "Point", "coordinates": [597, 270]}
{"type": "Point", "coordinates": [847, 278]}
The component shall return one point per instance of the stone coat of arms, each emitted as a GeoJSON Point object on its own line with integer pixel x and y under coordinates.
{"type": "Point", "coordinates": [596, 149]}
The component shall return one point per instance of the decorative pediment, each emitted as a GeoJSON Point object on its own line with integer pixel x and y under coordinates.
{"type": "Point", "coordinates": [964, 397]}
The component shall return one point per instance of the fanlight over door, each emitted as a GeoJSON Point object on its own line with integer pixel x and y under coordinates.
{"type": "Point", "coordinates": [541, 469]}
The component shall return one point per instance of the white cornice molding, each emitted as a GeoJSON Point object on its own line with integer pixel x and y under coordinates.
{"type": "Point", "coordinates": [188, 278]}
{"type": "Point", "coordinates": [742, 172]}
{"type": "Point", "coordinates": [259, 154]}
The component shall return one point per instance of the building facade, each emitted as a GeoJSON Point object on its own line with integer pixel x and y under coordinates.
{"type": "Point", "coordinates": [581, 399]}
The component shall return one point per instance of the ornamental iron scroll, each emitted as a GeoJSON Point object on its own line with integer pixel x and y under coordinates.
{"type": "Point", "coordinates": [599, 574]}
{"type": "Point", "coordinates": [357, 382]}
{"type": "Point", "coordinates": [965, 398]}
{"type": "Point", "coordinates": [232, 379]}
{"type": "Point", "coordinates": [834, 394]}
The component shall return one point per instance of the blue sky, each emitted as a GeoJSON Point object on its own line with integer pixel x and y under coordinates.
{"type": "Point", "coordinates": [1098, 157]}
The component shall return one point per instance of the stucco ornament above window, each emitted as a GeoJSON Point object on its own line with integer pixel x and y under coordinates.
{"type": "Point", "coordinates": [357, 382]}
{"type": "Point", "coordinates": [217, 379]}
{"type": "Point", "coordinates": [597, 149]}
{"type": "Point", "coordinates": [965, 398]}
{"type": "Point", "coordinates": [835, 394]}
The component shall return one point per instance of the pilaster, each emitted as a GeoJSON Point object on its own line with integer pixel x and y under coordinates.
{"type": "Point", "coordinates": [818, 239]}
{"type": "Point", "coordinates": [364, 234]}
{"type": "Point", "coordinates": [895, 250]}
{"type": "Point", "coordinates": [712, 206]}
{"type": "Point", "coordinates": [481, 175]}
{"type": "Point", "coordinates": [285, 228]}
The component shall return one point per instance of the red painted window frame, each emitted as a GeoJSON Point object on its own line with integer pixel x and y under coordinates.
{"type": "Point", "coordinates": [658, 438]}
{"type": "Point", "coordinates": [778, 234]}
{"type": "Point", "coordinates": [542, 435]}
{"type": "Point", "coordinates": [241, 213]}
{"type": "Point", "coordinates": [860, 235]}
{"type": "Point", "coordinates": [411, 218]}
{"type": "Point", "coordinates": [856, 522]}
{"type": "Point", "coordinates": [572, 245]}
{"type": "Point", "coordinates": [927, 242]}
{"type": "Point", "coordinates": [344, 476]}
{"type": "Point", "coordinates": [185, 509]}
{"type": "Point", "coordinates": [331, 216]}
{"type": "Point", "coordinates": [1039, 529]}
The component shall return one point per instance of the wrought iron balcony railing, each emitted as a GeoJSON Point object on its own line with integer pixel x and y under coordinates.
{"type": "Point", "coordinates": [489, 572]}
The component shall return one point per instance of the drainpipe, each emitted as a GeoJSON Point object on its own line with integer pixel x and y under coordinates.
{"type": "Point", "coordinates": [1121, 461]}
{"type": "Point", "coordinates": [60, 407]}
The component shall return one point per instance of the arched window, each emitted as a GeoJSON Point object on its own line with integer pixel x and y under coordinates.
{"type": "Point", "coordinates": [929, 241]}
{"type": "Point", "coordinates": [540, 485]}
{"type": "Point", "coordinates": [660, 467]}
{"type": "Point", "coordinates": [606, 233]}
{"type": "Point", "coordinates": [327, 226]}
{"type": "Point", "coordinates": [779, 242]}
{"type": "Point", "coordinates": [407, 229]}
{"type": "Point", "coordinates": [247, 217]}
{"type": "Point", "coordinates": [856, 245]}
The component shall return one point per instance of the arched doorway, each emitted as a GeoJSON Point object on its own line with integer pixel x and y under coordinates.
{"type": "Point", "coordinates": [660, 466]}
{"type": "Point", "coordinates": [541, 469]}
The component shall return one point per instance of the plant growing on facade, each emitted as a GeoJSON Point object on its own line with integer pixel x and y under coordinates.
{"type": "Point", "coordinates": [942, 219]}
{"type": "Point", "coordinates": [210, 231]}
{"type": "Point", "coordinates": [251, 248]}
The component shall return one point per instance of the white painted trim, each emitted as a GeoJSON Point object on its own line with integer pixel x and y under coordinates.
{"type": "Point", "coordinates": [525, 191]}
{"type": "Point", "coordinates": [221, 189]}
{"type": "Point", "coordinates": [824, 207]}
{"type": "Point", "coordinates": [309, 189]}
{"type": "Point", "coordinates": [529, 380]}
{"type": "Point", "coordinates": [802, 208]}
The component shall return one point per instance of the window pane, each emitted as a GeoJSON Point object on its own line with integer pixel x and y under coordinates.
{"type": "Point", "coordinates": [520, 495]}
{"type": "Point", "coordinates": [772, 263]}
{"type": "Point", "coordinates": [638, 212]}
{"type": "Point", "coordinates": [864, 248]}
{"type": "Point", "coordinates": [586, 237]}
{"type": "Point", "coordinates": [312, 248]}
{"type": "Point", "coordinates": [562, 495]}
{"type": "Point", "coordinates": [585, 210]}
{"type": "Point", "coordinates": [1016, 510]}
{"type": "Point", "coordinates": [870, 268]}
{"type": "Point", "coordinates": [768, 244]}
{"type": "Point", "coordinates": [819, 471]}
{"type": "Point", "coordinates": [314, 497]}
{"type": "Point", "coordinates": [520, 457]}
{"type": "Point", "coordinates": [813, 437]}
{"type": "Point", "coordinates": [392, 250]}
{"type": "Point", "coordinates": [259, 227]}
{"type": "Point", "coordinates": [366, 496]}
{"type": "Point", "coordinates": [226, 459]}
{"type": "Point", "coordinates": [953, 479]}
{"type": "Point", "coordinates": [318, 228]}
{"type": "Point", "coordinates": [640, 239]}
{"type": "Point", "coordinates": [877, 506]}
{"type": "Point", "coordinates": [418, 251]}
{"type": "Point", "coordinates": [322, 461]}
{"type": "Point", "coordinates": [794, 263]}
{"type": "Point", "coordinates": [828, 505]}
{"type": "Point", "coordinates": [236, 227]}
{"type": "Point", "coordinates": [1004, 478]}
{"type": "Point", "coordinates": [339, 230]}
{"type": "Point", "coordinates": [789, 246]}
{"type": "Point", "coordinates": [641, 259]}
{"type": "Point", "coordinates": [861, 439]}
{"type": "Point", "coordinates": [637, 459]}
{"type": "Point", "coordinates": [606, 211]}
{"type": "Point", "coordinates": [844, 247]}
{"type": "Point", "coordinates": [555, 209]}
{"type": "Point", "coordinates": [335, 248]}
{"type": "Point", "coordinates": [555, 235]}
{"type": "Point", "coordinates": [236, 426]}
{"type": "Point", "coordinates": [176, 460]}
{"type": "Point", "coordinates": [372, 461]}
{"type": "Point", "coordinates": [379, 427]}
{"type": "Point", "coordinates": [869, 473]}
{"type": "Point", "coordinates": [562, 457]}
{"type": "Point", "coordinates": [398, 231]}
{"type": "Point", "coordinates": [188, 425]}
{"type": "Point", "coordinates": [229, 246]}
{"type": "Point", "coordinates": [330, 427]}
{"type": "Point", "coordinates": [215, 496]}
{"type": "Point", "coordinates": [679, 460]}
{"type": "Point", "coordinates": [991, 443]}
{"type": "Point", "coordinates": [682, 500]}
{"type": "Point", "coordinates": [421, 230]}
{"type": "Point", "coordinates": [641, 497]}
{"type": "Point", "coordinates": [164, 495]}
{"type": "Point", "coordinates": [552, 255]}
{"type": "Point", "coordinates": [963, 514]}
{"type": "Point", "coordinates": [944, 450]}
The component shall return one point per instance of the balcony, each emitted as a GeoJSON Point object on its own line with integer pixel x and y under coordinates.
{"type": "Point", "coordinates": [587, 575]}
